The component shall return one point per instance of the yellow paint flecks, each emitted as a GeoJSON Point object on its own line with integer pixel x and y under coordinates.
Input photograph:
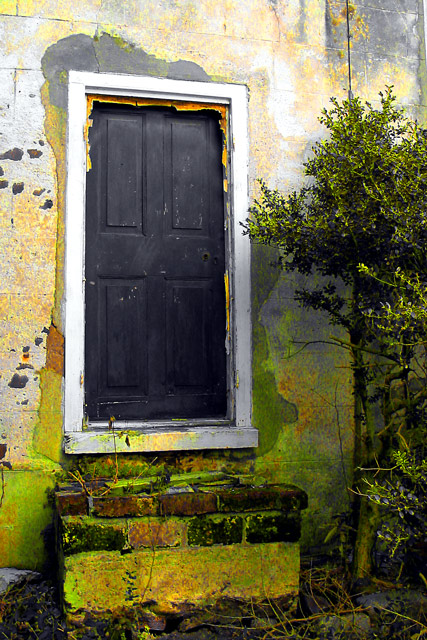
{"type": "Point", "coordinates": [227, 303]}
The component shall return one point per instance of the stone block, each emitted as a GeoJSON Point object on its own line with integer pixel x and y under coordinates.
{"type": "Point", "coordinates": [125, 506]}
{"type": "Point", "coordinates": [71, 503]}
{"type": "Point", "coordinates": [85, 534]}
{"type": "Point", "coordinates": [204, 531]}
{"type": "Point", "coordinates": [156, 533]}
{"type": "Point", "coordinates": [187, 504]}
{"type": "Point", "coordinates": [11, 577]}
{"type": "Point", "coordinates": [273, 528]}
{"type": "Point", "coordinates": [262, 498]}
{"type": "Point", "coordinates": [171, 580]}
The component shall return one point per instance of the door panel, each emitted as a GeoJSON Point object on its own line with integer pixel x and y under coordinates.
{"type": "Point", "coordinates": [188, 179]}
{"type": "Point", "coordinates": [125, 339]}
{"type": "Point", "coordinates": [155, 262]}
{"type": "Point", "coordinates": [188, 346]}
{"type": "Point", "coordinates": [123, 171]}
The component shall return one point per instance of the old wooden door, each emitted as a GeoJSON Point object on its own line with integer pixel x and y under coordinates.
{"type": "Point", "coordinates": [155, 302]}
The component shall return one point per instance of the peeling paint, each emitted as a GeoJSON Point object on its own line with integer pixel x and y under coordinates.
{"type": "Point", "coordinates": [13, 154]}
{"type": "Point", "coordinates": [17, 187]}
{"type": "Point", "coordinates": [179, 105]}
{"type": "Point", "coordinates": [227, 304]}
{"type": "Point", "coordinates": [18, 381]}
{"type": "Point", "coordinates": [34, 153]}
{"type": "Point", "coordinates": [47, 204]}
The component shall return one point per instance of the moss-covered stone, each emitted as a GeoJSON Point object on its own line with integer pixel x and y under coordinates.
{"type": "Point", "coordinates": [122, 506]}
{"type": "Point", "coordinates": [156, 532]}
{"type": "Point", "coordinates": [178, 578]}
{"type": "Point", "coordinates": [81, 534]}
{"type": "Point", "coordinates": [71, 503]}
{"type": "Point", "coordinates": [286, 498]}
{"type": "Point", "coordinates": [24, 515]}
{"type": "Point", "coordinates": [205, 531]}
{"type": "Point", "coordinates": [187, 504]}
{"type": "Point", "coordinates": [263, 527]}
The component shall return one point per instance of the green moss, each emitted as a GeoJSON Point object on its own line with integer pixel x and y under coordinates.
{"type": "Point", "coordinates": [121, 43]}
{"type": "Point", "coordinates": [128, 466]}
{"type": "Point", "coordinates": [47, 436]}
{"type": "Point", "coordinates": [24, 515]}
{"type": "Point", "coordinates": [261, 528]}
{"type": "Point", "coordinates": [270, 410]}
{"type": "Point", "coordinates": [81, 533]}
{"type": "Point", "coordinates": [284, 498]}
{"type": "Point", "coordinates": [205, 532]}
{"type": "Point", "coordinates": [105, 581]}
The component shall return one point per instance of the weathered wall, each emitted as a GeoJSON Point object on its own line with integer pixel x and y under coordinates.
{"type": "Point", "coordinates": [292, 56]}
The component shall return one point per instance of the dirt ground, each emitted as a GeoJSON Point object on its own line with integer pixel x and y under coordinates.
{"type": "Point", "coordinates": [30, 610]}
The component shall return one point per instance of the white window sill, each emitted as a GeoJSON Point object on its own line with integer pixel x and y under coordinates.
{"type": "Point", "coordinates": [168, 437]}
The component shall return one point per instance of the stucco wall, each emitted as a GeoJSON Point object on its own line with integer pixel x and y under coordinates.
{"type": "Point", "coordinates": [292, 56]}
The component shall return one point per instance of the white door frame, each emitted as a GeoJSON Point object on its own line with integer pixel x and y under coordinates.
{"type": "Point", "coordinates": [149, 435]}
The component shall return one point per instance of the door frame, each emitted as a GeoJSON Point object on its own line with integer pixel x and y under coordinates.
{"type": "Point", "coordinates": [131, 436]}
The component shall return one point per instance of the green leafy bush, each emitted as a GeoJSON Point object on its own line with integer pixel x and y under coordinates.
{"type": "Point", "coordinates": [360, 222]}
{"type": "Point", "coordinates": [403, 495]}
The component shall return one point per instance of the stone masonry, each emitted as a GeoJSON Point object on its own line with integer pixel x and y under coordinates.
{"type": "Point", "coordinates": [170, 552]}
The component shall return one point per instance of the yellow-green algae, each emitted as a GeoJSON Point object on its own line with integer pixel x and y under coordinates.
{"type": "Point", "coordinates": [173, 578]}
{"type": "Point", "coordinates": [24, 515]}
{"type": "Point", "coordinates": [84, 533]}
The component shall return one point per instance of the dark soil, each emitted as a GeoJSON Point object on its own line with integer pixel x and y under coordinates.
{"type": "Point", "coordinates": [31, 610]}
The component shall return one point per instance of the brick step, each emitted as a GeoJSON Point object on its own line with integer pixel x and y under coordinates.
{"type": "Point", "coordinates": [176, 549]}
{"type": "Point", "coordinates": [183, 502]}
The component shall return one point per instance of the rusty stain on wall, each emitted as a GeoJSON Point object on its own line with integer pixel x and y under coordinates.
{"type": "Point", "coordinates": [55, 351]}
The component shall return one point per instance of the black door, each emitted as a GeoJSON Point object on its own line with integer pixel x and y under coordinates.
{"type": "Point", "coordinates": [155, 302]}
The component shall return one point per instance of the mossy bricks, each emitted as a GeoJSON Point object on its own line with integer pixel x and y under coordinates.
{"type": "Point", "coordinates": [213, 538]}
{"type": "Point", "coordinates": [124, 506]}
{"type": "Point", "coordinates": [72, 503]}
{"type": "Point", "coordinates": [205, 532]}
{"type": "Point", "coordinates": [81, 533]}
{"type": "Point", "coordinates": [186, 503]}
{"type": "Point", "coordinates": [277, 527]}
{"type": "Point", "coordinates": [280, 497]}
{"type": "Point", "coordinates": [156, 532]}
